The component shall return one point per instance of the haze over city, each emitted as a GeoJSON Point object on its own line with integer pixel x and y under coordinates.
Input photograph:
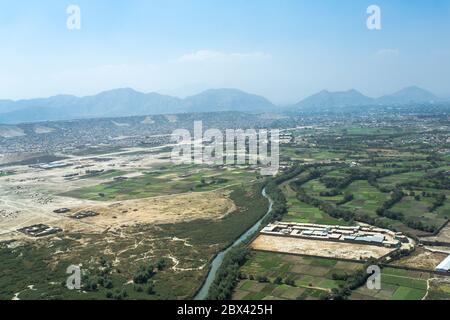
{"type": "Point", "coordinates": [284, 50]}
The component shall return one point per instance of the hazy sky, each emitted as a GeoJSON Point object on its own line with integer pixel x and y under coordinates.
{"type": "Point", "coordinates": [284, 50]}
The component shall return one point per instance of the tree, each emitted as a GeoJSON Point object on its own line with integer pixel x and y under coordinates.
{"type": "Point", "coordinates": [150, 288]}
{"type": "Point", "coordinates": [161, 264]}
{"type": "Point", "coordinates": [278, 280]}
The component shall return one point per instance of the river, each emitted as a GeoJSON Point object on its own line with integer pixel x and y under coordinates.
{"type": "Point", "coordinates": [217, 262]}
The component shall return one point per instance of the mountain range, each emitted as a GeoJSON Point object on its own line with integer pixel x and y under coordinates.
{"type": "Point", "coordinates": [352, 98]}
{"type": "Point", "coordinates": [128, 102]}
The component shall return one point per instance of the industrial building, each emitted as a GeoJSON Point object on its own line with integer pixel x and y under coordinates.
{"type": "Point", "coordinates": [444, 266]}
{"type": "Point", "coordinates": [357, 234]}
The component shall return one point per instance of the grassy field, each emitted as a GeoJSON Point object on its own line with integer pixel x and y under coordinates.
{"type": "Point", "coordinates": [109, 174]}
{"type": "Point", "coordinates": [309, 277]}
{"type": "Point", "coordinates": [401, 178]}
{"type": "Point", "coordinates": [396, 284]}
{"type": "Point", "coordinates": [304, 213]}
{"type": "Point", "coordinates": [419, 210]}
{"type": "Point", "coordinates": [366, 198]}
{"type": "Point", "coordinates": [315, 187]}
{"type": "Point", "coordinates": [165, 181]}
{"type": "Point", "coordinates": [310, 154]}
{"type": "Point", "coordinates": [369, 131]}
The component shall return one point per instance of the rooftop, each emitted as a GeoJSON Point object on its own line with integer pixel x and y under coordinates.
{"type": "Point", "coordinates": [444, 265]}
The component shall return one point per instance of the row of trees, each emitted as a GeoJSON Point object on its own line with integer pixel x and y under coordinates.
{"type": "Point", "coordinates": [396, 196]}
{"type": "Point", "coordinates": [227, 275]}
{"type": "Point", "coordinates": [279, 203]}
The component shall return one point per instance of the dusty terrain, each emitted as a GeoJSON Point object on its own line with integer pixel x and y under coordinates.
{"type": "Point", "coordinates": [157, 210]}
{"type": "Point", "coordinates": [30, 196]}
{"type": "Point", "coordinates": [422, 258]}
{"type": "Point", "coordinates": [318, 248]}
{"type": "Point", "coordinates": [443, 236]}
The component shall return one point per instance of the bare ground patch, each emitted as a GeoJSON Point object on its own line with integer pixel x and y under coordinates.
{"type": "Point", "coordinates": [158, 210]}
{"type": "Point", "coordinates": [422, 259]}
{"type": "Point", "coordinates": [318, 248]}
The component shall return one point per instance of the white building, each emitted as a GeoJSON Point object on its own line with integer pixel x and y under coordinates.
{"type": "Point", "coordinates": [444, 266]}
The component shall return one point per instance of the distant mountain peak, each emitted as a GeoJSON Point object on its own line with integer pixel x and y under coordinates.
{"type": "Point", "coordinates": [411, 94]}
{"type": "Point", "coordinates": [328, 99]}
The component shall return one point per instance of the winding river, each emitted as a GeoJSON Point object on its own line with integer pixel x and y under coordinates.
{"type": "Point", "coordinates": [217, 262]}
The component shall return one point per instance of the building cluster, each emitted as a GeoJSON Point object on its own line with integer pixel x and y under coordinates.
{"type": "Point", "coordinates": [84, 214]}
{"type": "Point", "coordinates": [39, 230]}
{"type": "Point", "coordinates": [355, 234]}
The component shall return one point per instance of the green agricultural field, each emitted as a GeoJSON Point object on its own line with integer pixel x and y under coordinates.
{"type": "Point", "coordinates": [310, 154]}
{"type": "Point", "coordinates": [166, 181]}
{"type": "Point", "coordinates": [366, 198]}
{"type": "Point", "coordinates": [393, 180]}
{"type": "Point", "coordinates": [315, 187]}
{"type": "Point", "coordinates": [396, 284]}
{"type": "Point", "coordinates": [303, 278]}
{"type": "Point", "coordinates": [419, 210]}
{"type": "Point", "coordinates": [301, 212]}
{"type": "Point", "coordinates": [370, 131]}
{"type": "Point", "coordinates": [109, 174]}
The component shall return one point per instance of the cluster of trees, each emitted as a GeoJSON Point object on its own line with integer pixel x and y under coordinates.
{"type": "Point", "coordinates": [117, 294]}
{"type": "Point", "coordinates": [146, 272]}
{"type": "Point", "coordinates": [227, 275]}
{"type": "Point", "coordinates": [101, 278]}
{"type": "Point", "coordinates": [419, 225]}
{"type": "Point", "coordinates": [398, 254]}
{"type": "Point", "coordinates": [264, 279]}
{"type": "Point", "coordinates": [150, 288]}
{"type": "Point", "coordinates": [348, 197]}
{"type": "Point", "coordinates": [214, 180]}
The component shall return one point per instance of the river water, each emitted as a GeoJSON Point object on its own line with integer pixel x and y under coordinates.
{"type": "Point", "coordinates": [217, 262]}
